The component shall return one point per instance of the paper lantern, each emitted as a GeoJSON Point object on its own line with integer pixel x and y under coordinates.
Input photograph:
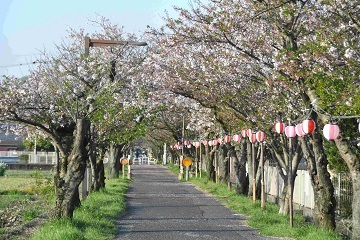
{"type": "Point", "coordinates": [252, 137]}
{"type": "Point", "coordinates": [196, 144]}
{"type": "Point", "coordinates": [186, 142]}
{"type": "Point", "coordinates": [205, 142]}
{"type": "Point", "coordinates": [308, 126]}
{"type": "Point", "coordinates": [299, 130]}
{"type": "Point", "coordinates": [279, 127]}
{"type": "Point", "coordinates": [237, 138]}
{"type": "Point", "coordinates": [210, 143]}
{"type": "Point", "coordinates": [290, 131]}
{"type": "Point", "coordinates": [215, 142]}
{"type": "Point", "coordinates": [331, 131]}
{"type": "Point", "coordinates": [220, 141]}
{"type": "Point", "coordinates": [248, 132]}
{"type": "Point", "coordinates": [189, 146]}
{"type": "Point", "coordinates": [227, 139]}
{"type": "Point", "coordinates": [260, 136]}
{"type": "Point", "coordinates": [244, 133]}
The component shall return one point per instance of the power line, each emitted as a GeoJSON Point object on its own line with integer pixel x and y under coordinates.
{"type": "Point", "coordinates": [24, 64]}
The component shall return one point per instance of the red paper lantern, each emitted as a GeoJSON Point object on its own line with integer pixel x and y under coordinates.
{"type": "Point", "coordinates": [252, 137]}
{"type": "Point", "coordinates": [196, 144]}
{"type": "Point", "coordinates": [205, 142]}
{"type": "Point", "coordinates": [331, 131]}
{"type": "Point", "coordinates": [189, 146]}
{"type": "Point", "coordinates": [186, 142]}
{"type": "Point", "coordinates": [227, 139]}
{"type": "Point", "coordinates": [210, 143]}
{"type": "Point", "coordinates": [279, 127]}
{"type": "Point", "coordinates": [220, 141]}
{"type": "Point", "coordinates": [215, 142]}
{"type": "Point", "coordinates": [299, 130]}
{"type": "Point", "coordinates": [290, 131]}
{"type": "Point", "coordinates": [237, 138]}
{"type": "Point", "coordinates": [244, 133]}
{"type": "Point", "coordinates": [308, 126]}
{"type": "Point", "coordinates": [260, 136]}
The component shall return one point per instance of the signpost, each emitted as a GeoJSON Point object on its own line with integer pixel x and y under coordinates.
{"type": "Point", "coordinates": [123, 162]}
{"type": "Point", "coordinates": [187, 163]}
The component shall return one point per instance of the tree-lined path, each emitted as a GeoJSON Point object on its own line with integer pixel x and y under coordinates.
{"type": "Point", "coordinates": [161, 207]}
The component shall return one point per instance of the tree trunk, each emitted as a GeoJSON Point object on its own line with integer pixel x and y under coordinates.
{"type": "Point", "coordinates": [222, 164]}
{"type": "Point", "coordinates": [316, 161]}
{"type": "Point", "coordinates": [210, 164]}
{"type": "Point", "coordinates": [250, 167]}
{"type": "Point", "coordinates": [353, 163]}
{"type": "Point", "coordinates": [115, 153]}
{"type": "Point", "coordinates": [68, 185]}
{"type": "Point", "coordinates": [325, 202]}
{"type": "Point", "coordinates": [240, 170]}
{"type": "Point", "coordinates": [284, 200]}
{"type": "Point", "coordinates": [290, 155]}
{"type": "Point", "coordinates": [97, 172]}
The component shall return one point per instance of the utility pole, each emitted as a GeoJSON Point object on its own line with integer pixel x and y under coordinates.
{"type": "Point", "coordinates": [101, 43]}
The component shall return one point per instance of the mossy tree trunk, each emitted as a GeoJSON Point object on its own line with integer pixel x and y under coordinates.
{"type": "Point", "coordinates": [72, 172]}
{"type": "Point", "coordinates": [240, 170]}
{"type": "Point", "coordinates": [115, 153]}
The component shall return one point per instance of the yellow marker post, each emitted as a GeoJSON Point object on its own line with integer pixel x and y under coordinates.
{"type": "Point", "coordinates": [187, 163]}
{"type": "Point", "coordinates": [123, 162]}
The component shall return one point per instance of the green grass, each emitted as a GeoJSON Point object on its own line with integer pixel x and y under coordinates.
{"type": "Point", "coordinates": [269, 222]}
{"type": "Point", "coordinates": [22, 181]}
{"type": "Point", "coordinates": [28, 173]}
{"type": "Point", "coordinates": [30, 193]}
{"type": "Point", "coordinates": [94, 219]}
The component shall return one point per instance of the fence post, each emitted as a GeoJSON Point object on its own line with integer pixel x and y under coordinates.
{"type": "Point", "coordinates": [339, 192]}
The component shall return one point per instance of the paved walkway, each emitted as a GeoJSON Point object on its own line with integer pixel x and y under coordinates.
{"type": "Point", "coordinates": [162, 208]}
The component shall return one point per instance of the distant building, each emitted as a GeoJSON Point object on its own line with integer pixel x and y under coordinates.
{"type": "Point", "coordinates": [9, 141]}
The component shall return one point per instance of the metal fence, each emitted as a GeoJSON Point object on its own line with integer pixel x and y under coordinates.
{"type": "Point", "coordinates": [30, 156]}
{"type": "Point", "coordinates": [343, 193]}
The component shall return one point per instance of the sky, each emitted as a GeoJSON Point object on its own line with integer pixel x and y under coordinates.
{"type": "Point", "coordinates": [29, 26]}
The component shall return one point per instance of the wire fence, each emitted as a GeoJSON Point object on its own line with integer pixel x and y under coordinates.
{"type": "Point", "coordinates": [344, 194]}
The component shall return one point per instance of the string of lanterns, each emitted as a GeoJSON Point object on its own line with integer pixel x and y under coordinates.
{"type": "Point", "coordinates": [331, 131]}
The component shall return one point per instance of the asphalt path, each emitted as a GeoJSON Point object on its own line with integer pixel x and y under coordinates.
{"type": "Point", "coordinates": [162, 208]}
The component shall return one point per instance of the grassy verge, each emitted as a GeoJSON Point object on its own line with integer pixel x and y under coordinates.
{"type": "Point", "coordinates": [268, 221]}
{"type": "Point", "coordinates": [94, 219]}
{"type": "Point", "coordinates": [24, 196]}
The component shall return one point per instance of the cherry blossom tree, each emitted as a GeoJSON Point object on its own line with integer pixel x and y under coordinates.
{"type": "Point", "coordinates": [261, 48]}
{"type": "Point", "coordinates": [61, 97]}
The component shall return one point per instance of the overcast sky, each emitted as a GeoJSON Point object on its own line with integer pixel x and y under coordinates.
{"type": "Point", "coordinates": [27, 26]}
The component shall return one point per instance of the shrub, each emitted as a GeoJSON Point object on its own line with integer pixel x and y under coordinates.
{"type": "Point", "coordinates": [24, 158]}
{"type": "Point", "coordinates": [2, 168]}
